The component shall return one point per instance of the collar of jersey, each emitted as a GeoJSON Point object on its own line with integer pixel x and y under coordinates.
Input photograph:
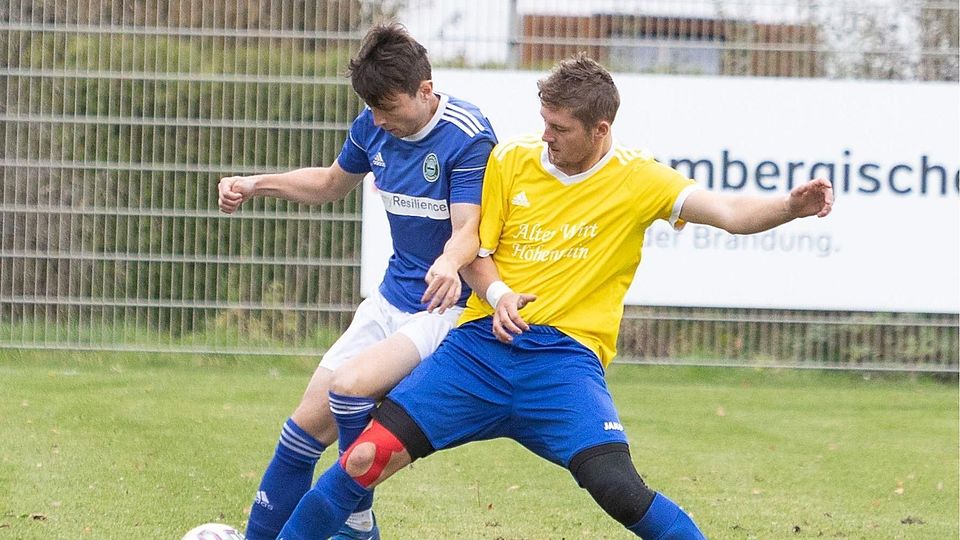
{"type": "Point", "coordinates": [425, 130]}
{"type": "Point", "coordinates": [567, 179]}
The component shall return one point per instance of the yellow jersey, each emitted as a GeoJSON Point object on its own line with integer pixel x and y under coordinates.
{"type": "Point", "coordinates": [574, 241]}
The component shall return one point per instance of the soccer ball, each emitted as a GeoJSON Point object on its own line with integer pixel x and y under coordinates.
{"type": "Point", "coordinates": [213, 531]}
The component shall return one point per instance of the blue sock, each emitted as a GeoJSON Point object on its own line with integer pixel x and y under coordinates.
{"type": "Point", "coordinates": [352, 415]}
{"type": "Point", "coordinates": [287, 478]}
{"type": "Point", "coordinates": [326, 507]}
{"type": "Point", "coordinates": [665, 520]}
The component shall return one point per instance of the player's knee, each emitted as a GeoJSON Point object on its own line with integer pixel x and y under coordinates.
{"type": "Point", "coordinates": [372, 454]}
{"type": "Point", "coordinates": [347, 382]}
{"type": "Point", "coordinates": [608, 474]}
{"type": "Point", "coordinates": [359, 458]}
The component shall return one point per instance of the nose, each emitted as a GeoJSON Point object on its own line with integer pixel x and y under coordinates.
{"type": "Point", "coordinates": [378, 119]}
{"type": "Point", "coordinates": [547, 137]}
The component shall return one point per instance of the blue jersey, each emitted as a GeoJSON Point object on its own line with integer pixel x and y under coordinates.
{"type": "Point", "coordinates": [418, 177]}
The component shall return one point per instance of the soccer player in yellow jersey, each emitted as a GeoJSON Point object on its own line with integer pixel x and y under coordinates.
{"type": "Point", "coordinates": [562, 219]}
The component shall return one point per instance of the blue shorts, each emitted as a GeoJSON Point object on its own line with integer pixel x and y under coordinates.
{"type": "Point", "coordinates": [545, 391]}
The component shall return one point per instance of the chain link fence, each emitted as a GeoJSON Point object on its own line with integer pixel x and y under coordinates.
{"type": "Point", "coordinates": [119, 117]}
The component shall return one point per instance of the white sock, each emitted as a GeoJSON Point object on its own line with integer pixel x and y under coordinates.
{"type": "Point", "coordinates": [361, 521]}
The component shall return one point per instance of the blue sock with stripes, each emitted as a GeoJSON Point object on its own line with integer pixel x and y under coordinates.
{"type": "Point", "coordinates": [665, 520]}
{"type": "Point", "coordinates": [286, 480]}
{"type": "Point", "coordinates": [352, 415]}
{"type": "Point", "coordinates": [326, 507]}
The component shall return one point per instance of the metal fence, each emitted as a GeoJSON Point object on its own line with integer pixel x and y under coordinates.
{"type": "Point", "coordinates": [119, 117]}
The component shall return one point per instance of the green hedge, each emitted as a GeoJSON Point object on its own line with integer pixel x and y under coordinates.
{"type": "Point", "coordinates": [122, 140]}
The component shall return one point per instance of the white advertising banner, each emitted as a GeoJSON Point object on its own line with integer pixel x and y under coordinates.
{"type": "Point", "coordinates": [891, 149]}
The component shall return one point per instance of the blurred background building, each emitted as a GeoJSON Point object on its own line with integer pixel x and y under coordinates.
{"type": "Point", "coordinates": [119, 117]}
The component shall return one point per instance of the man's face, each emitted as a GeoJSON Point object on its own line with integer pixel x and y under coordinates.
{"type": "Point", "coordinates": [569, 142]}
{"type": "Point", "coordinates": [403, 115]}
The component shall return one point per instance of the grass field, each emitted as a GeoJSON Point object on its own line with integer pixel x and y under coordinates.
{"type": "Point", "coordinates": [147, 446]}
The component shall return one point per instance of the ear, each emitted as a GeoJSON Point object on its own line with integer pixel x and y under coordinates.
{"type": "Point", "coordinates": [426, 88]}
{"type": "Point", "coordinates": [601, 130]}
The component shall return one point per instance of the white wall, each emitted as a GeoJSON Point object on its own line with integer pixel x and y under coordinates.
{"type": "Point", "coordinates": [887, 247]}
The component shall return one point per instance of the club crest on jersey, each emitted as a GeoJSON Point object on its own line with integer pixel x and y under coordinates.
{"type": "Point", "coordinates": [431, 167]}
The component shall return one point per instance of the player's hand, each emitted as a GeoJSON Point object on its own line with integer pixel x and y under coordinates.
{"type": "Point", "coordinates": [507, 321]}
{"type": "Point", "coordinates": [812, 198]}
{"type": "Point", "coordinates": [443, 285]}
{"type": "Point", "coordinates": [233, 190]}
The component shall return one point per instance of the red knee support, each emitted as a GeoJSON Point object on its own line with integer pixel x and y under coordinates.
{"type": "Point", "coordinates": [386, 445]}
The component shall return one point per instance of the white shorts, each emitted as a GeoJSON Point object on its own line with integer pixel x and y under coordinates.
{"type": "Point", "coordinates": [377, 319]}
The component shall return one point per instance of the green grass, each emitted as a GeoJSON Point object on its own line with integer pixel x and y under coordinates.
{"type": "Point", "coordinates": [147, 446]}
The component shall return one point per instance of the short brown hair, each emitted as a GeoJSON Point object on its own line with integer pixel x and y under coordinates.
{"type": "Point", "coordinates": [582, 86]}
{"type": "Point", "coordinates": [389, 62]}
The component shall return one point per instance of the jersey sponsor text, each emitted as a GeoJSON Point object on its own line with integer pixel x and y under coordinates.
{"type": "Point", "coordinates": [406, 205]}
{"type": "Point", "coordinates": [539, 254]}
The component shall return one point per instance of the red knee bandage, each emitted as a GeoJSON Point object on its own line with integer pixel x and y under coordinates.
{"type": "Point", "coordinates": [386, 445]}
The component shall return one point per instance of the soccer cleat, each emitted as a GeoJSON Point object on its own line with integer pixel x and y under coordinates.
{"type": "Point", "coordinates": [347, 532]}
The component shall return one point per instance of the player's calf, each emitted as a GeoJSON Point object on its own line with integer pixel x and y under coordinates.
{"type": "Point", "coordinates": [608, 474]}
{"type": "Point", "coordinates": [286, 480]}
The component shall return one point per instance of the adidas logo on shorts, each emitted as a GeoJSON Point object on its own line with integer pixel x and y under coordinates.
{"type": "Point", "coordinates": [612, 426]}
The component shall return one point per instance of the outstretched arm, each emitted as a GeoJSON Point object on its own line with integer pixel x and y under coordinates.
{"type": "Point", "coordinates": [311, 185]}
{"type": "Point", "coordinates": [747, 214]}
{"type": "Point", "coordinates": [484, 279]}
{"type": "Point", "coordinates": [443, 277]}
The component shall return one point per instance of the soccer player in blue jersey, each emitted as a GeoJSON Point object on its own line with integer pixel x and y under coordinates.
{"type": "Point", "coordinates": [563, 218]}
{"type": "Point", "coordinates": [427, 152]}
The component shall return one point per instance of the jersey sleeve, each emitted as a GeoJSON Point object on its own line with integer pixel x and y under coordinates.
{"type": "Point", "coordinates": [493, 207]}
{"type": "Point", "coordinates": [466, 176]}
{"type": "Point", "coordinates": [353, 156]}
{"type": "Point", "coordinates": [672, 190]}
